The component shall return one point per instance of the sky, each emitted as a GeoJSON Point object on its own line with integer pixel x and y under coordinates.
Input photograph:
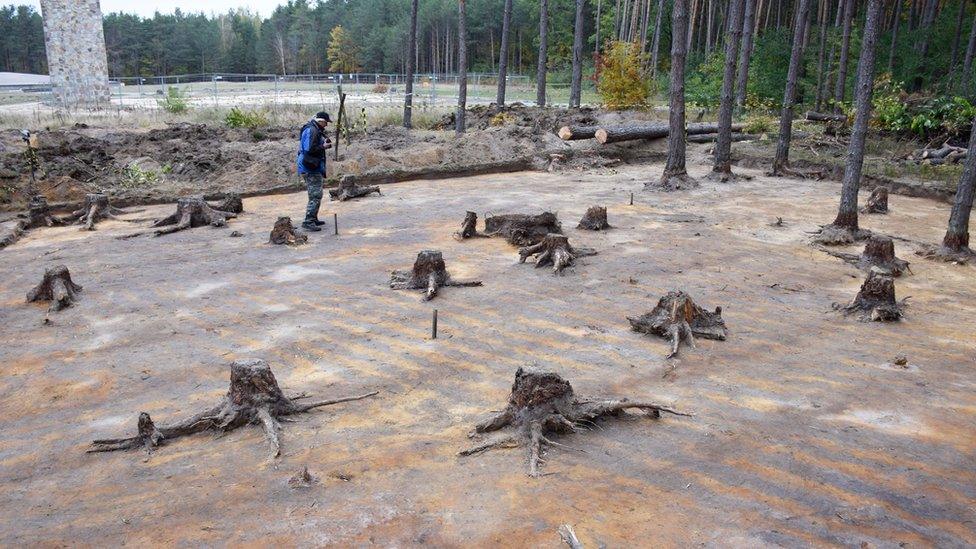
{"type": "Point", "coordinates": [263, 7]}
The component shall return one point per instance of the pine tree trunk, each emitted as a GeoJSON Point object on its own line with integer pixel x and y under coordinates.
{"type": "Point", "coordinates": [957, 37]}
{"type": "Point", "coordinates": [540, 75]}
{"type": "Point", "coordinates": [655, 48]}
{"type": "Point", "coordinates": [847, 214]}
{"type": "Point", "coordinates": [894, 37]}
{"type": "Point", "coordinates": [840, 86]}
{"type": "Point", "coordinates": [675, 165]}
{"type": "Point", "coordinates": [723, 146]}
{"type": "Point", "coordinates": [596, 39]}
{"type": "Point", "coordinates": [411, 66]}
{"type": "Point", "coordinates": [576, 90]}
{"type": "Point", "coordinates": [957, 237]}
{"type": "Point", "coordinates": [782, 159]}
{"type": "Point", "coordinates": [462, 69]}
{"type": "Point", "coordinates": [821, 53]}
{"type": "Point", "coordinates": [745, 53]}
{"type": "Point", "coordinates": [503, 54]}
{"type": "Point", "coordinates": [967, 66]}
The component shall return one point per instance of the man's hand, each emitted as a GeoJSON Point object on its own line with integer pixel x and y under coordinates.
{"type": "Point", "coordinates": [328, 143]}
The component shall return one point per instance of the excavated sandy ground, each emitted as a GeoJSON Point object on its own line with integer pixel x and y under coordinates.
{"type": "Point", "coordinates": [804, 433]}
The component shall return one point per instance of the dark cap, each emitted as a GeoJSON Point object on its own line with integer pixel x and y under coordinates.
{"type": "Point", "coordinates": [322, 115]}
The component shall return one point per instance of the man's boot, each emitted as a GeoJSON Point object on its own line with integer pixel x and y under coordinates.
{"type": "Point", "coordinates": [311, 227]}
{"type": "Point", "coordinates": [319, 223]}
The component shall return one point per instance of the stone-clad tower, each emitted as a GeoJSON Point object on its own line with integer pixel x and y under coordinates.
{"type": "Point", "coordinates": [75, 46]}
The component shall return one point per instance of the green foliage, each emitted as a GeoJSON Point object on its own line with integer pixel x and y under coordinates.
{"type": "Point", "coordinates": [925, 117]}
{"type": "Point", "coordinates": [703, 86]}
{"type": "Point", "coordinates": [175, 101]}
{"type": "Point", "coordinates": [621, 82]}
{"type": "Point", "coordinates": [245, 118]}
{"type": "Point", "coordinates": [759, 124]}
{"type": "Point", "coordinates": [342, 53]}
{"type": "Point", "coordinates": [133, 176]}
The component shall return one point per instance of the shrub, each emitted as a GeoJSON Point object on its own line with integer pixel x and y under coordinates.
{"type": "Point", "coordinates": [925, 117]}
{"type": "Point", "coordinates": [241, 118]}
{"type": "Point", "coordinates": [759, 124]}
{"type": "Point", "coordinates": [134, 176]}
{"type": "Point", "coordinates": [621, 83]}
{"type": "Point", "coordinates": [175, 101]}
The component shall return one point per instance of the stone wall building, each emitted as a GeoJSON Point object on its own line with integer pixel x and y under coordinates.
{"type": "Point", "coordinates": [76, 56]}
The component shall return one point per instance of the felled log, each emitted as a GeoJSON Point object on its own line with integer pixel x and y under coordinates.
{"type": "Point", "coordinates": [712, 137]}
{"type": "Point", "coordinates": [825, 117]}
{"type": "Point", "coordinates": [942, 152]}
{"type": "Point", "coordinates": [572, 133]}
{"type": "Point", "coordinates": [630, 132]}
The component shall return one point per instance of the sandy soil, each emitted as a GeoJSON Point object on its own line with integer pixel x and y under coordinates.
{"type": "Point", "coordinates": [804, 434]}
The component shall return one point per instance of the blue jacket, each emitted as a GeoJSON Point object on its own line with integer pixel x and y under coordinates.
{"type": "Point", "coordinates": [311, 149]}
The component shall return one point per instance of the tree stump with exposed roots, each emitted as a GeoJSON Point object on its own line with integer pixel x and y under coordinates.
{"type": "Point", "coordinates": [190, 213]}
{"type": "Point", "coordinates": [542, 404]}
{"type": "Point", "coordinates": [876, 299]}
{"type": "Point", "coordinates": [671, 182]}
{"type": "Point", "coordinates": [595, 219]}
{"type": "Point", "coordinates": [95, 208]}
{"type": "Point", "coordinates": [284, 233]}
{"type": "Point", "coordinates": [554, 250]}
{"type": "Point", "coordinates": [677, 318]}
{"type": "Point", "coordinates": [879, 251]}
{"type": "Point", "coordinates": [429, 273]}
{"type": "Point", "coordinates": [348, 189]}
{"type": "Point", "coordinates": [960, 255]}
{"type": "Point", "coordinates": [469, 227]}
{"type": "Point", "coordinates": [836, 235]}
{"type": "Point", "coordinates": [877, 202]}
{"type": "Point", "coordinates": [253, 398]}
{"type": "Point", "coordinates": [522, 229]}
{"type": "Point", "coordinates": [39, 213]}
{"type": "Point", "coordinates": [56, 287]}
{"type": "Point", "coordinates": [232, 203]}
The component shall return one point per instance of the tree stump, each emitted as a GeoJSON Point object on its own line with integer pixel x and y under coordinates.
{"type": "Point", "coordinates": [835, 235]}
{"type": "Point", "coordinates": [469, 227]}
{"type": "Point", "coordinates": [522, 229]}
{"type": "Point", "coordinates": [56, 287]}
{"type": "Point", "coordinates": [39, 213]}
{"type": "Point", "coordinates": [348, 189]}
{"type": "Point", "coordinates": [284, 233]}
{"type": "Point", "coordinates": [876, 299]}
{"type": "Point", "coordinates": [14, 232]}
{"type": "Point", "coordinates": [940, 252]}
{"type": "Point", "coordinates": [429, 273]}
{"type": "Point", "coordinates": [879, 251]}
{"type": "Point", "coordinates": [676, 317]}
{"type": "Point", "coordinates": [877, 202]}
{"type": "Point", "coordinates": [232, 203]}
{"type": "Point", "coordinates": [192, 212]}
{"type": "Point", "coordinates": [253, 398]}
{"type": "Point", "coordinates": [95, 208]}
{"type": "Point", "coordinates": [673, 182]}
{"type": "Point", "coordinates": [554, 250]}
{"type": "Point", "coordinates": [595, 219]}
{"type": "Point", "coordinates": [542, 403]}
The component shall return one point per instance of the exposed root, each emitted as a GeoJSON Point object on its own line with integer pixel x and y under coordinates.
{"type": "Point", "coordinates": [429, 273]}
{"type": "Point", "coordinates": [522, 229]}
{"type": "Point", "coordinates": [961, 256]}
{"type": "Point", "coordinates": [253, 398]}
{"type": "Point", "coordinates": [726, 175]}
{"type": "Point", "coordinates": [554, 250]}
{"type": "Point", "coordinates": [833, 235]}
{"type": "Point", "coordinates": [232, 203]}
{"type": "Point", "coordinates": [56, 287]}
{"type": "Point", "coordinates": [876, 299]}
{"type": "Point", "coordinates": [348, 189]}
{"type": "Point", "coordinates": [192, 212]}
{"type": "Point", "coordinates": [568, 536]}
{"type": "Point", "coordinates": [39, 213]}
{"type": "Point", "coordinates": [95, 208]}
{"type": "Point", "coordinates": [469, 227]}
{"type": "Point", "coordinates": [680, 181]}
{"type": "Point", "coordinates": [543, 403]}
{"type": "Point", "coordinates": [595, 219]}
{"type": "Point", "coordinates": [879, 251]}
{"type": "Point", "coordinates": [284, 233]}
{"type": "Point", "coordinates": [677, 318]}
{"type": "Point", "coordinates": [877, 202]}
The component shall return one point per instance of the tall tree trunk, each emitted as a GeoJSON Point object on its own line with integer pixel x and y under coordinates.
{"type": "Point", "coordinates": [616, 21]}
{"type": "Point", "coordinates": [957, 36]}
{"type": "Point", "coordinates": [929, 11]}
{"type": "Point", "coordinates": [540, 75]}
{"type": "Point", "coordinates": [576, 90]}
{"type": "Point", "coordinates": [840, 86]}
{"type": "Point", "coordinates": [894, 37]}
{"type": "Point", "coordinates": [821, 52]}
{"type": "Point", "coordinates": [691, 25]}
{"type": "Point", "coordinates": [462, 69]}
{"type": "Point", "coordinates": [782, 159]}
{"type": "Point", "coordinates": [847, 214]}
{"type": "Point", "coordinates": [675, 165]}
{"type": "Point", "coordinates": [596, 39]}
{"type": "Point", "coordinates": [503, 54]}
{"type": "Point", "coordinates": [957, 237]}
{"type": "Point", "coordinates": [745, 54]}
{"type": "Point", "coordinates": [967, 65]}
{"type": "Point", "coordinates": [723, 146]}
{"type": "Point", "coordinates": [657, 38]}
{"type": "Point", "coordinates": [411, 66]}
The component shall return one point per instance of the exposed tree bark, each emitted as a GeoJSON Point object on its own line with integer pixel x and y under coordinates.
{"type": "Point", "coordinates": [630, 132]}
{"type": "Point", "coordinates": [542, 403]}
{"type": "Point", "coordinates": [595, 219]}
{"type": "Point", "coordinates": [821, 52]}
{"type": "Point", "coordinates": [967, 66]}
{"type": "Point", "coordinates": [576, 87]}
{"type": "Point", "coordinates": [192, 212]}
{"type": "Point", "coordinates": [522, 229]}
{"type": "Point", "coordinates": [877, 202]}
{"type": "Point", "coordinates": [879, 252]}
{"type": "Point", "coordinates": [253, 398]}
{"type": "Point", "coordinates": [957, 35]}
{"type": "Point", "coordinates": [675, 175]}
{"type": "Point", "coordinates": [677, 318]}
{"type": "Point", "coordinates": [469, 227]}
{"type": "Point", "coordinates": [572, 133]}
{"type": "Point", "coordinates": [894, 36]}
{"type": "Point", "coordinates": [955, 244]}
{"type": "Point", "coordinates": [459, 119]}
{"type": "Point", "coordinates": [284, 232]}
{"type": "Point", "coordinates": [722, 169]}
{"type": "Point", "coordinates": [846, 219]}
{"type": "Point", "coordinates": [56, 287]}
{"type": "Point", "coordinates": [656, 46]}
{"type": "Point", "coordinates": [826, 117]}
{"type": "Point", "coordinates": [745, 54]}
{"type": "Point", "coordinates": [411, 66]}
{"type": "Point", "coordinates": [840, 86]}
{"type": "Point", "coordinates": [554, 249]}
{"type": "Point", "coordinates": [429, 273]}
{"type": "Point", "coordinates": [782, 160]}
{"type": "Point", "coordinates": [231, 203]}
{"type": "Point", "coordinates": [348, 189]}
{"type": "Point", "coordinates": [503, 54]}
{"type": "Point", "coordinates": [876, 299]}
{"type": "Point", "coordinates": [540, 75]}
{"type": "Point", "coordinates": [929, 12]}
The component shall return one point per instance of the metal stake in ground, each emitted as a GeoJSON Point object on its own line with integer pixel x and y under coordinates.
{"type": "Point", "coordinates": [433, 325]}
{"type": "Point", "coordinates": [335, 220]}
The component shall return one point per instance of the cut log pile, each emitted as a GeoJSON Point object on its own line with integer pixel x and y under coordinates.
{"type": "Point", "coordinates": [946, 154]}
{"type": "Point", "coordinates": [631, 132]}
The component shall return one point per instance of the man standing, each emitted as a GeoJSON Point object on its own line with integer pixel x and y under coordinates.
{"type": "Point", "coordinates": [311, 165]}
